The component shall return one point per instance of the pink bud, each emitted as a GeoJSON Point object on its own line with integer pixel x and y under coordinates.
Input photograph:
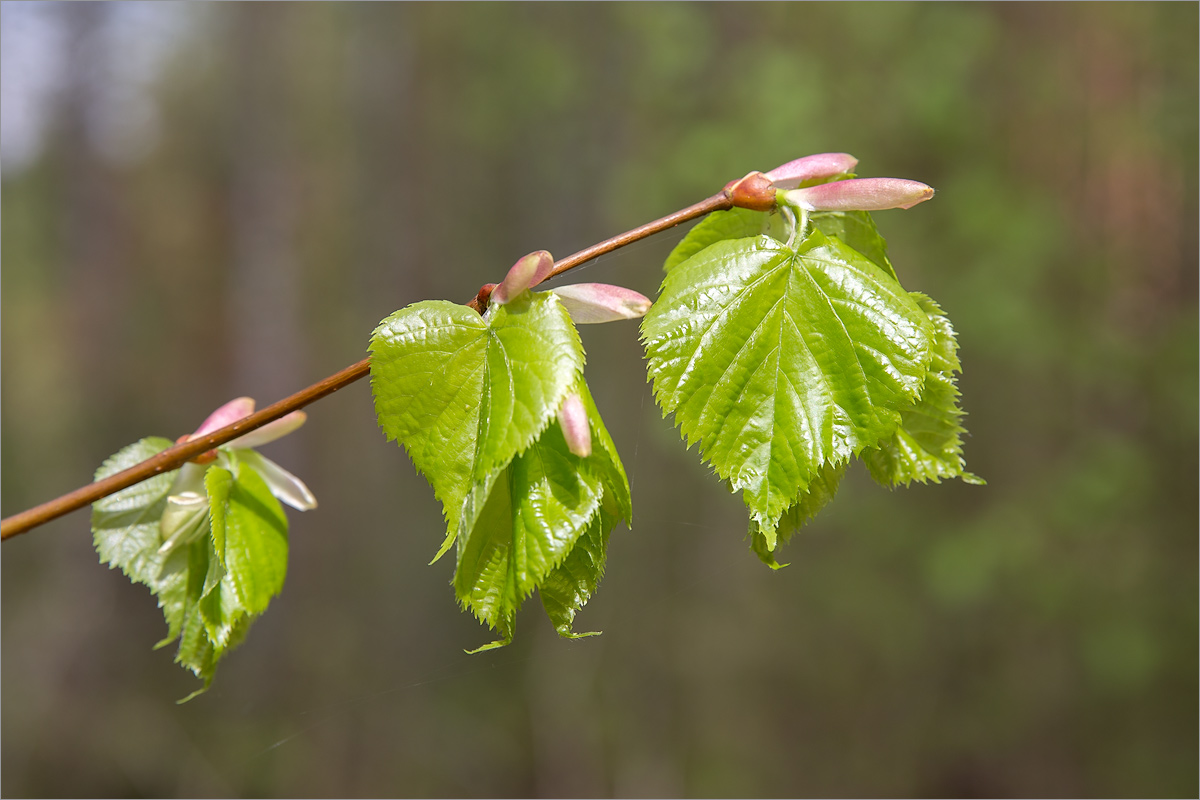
{"type": "Point", "coordinates": [600, 302]}
{"type": "Point", "coordinates": [529, 271]}
{"type": "Point", "coordinates": [275, 429]}
{"type": "Point", "coordinates": [572, 418]}
{"type": "Point", "coordinates": [822, 165]}
{"type": "Point", "coordinates": [227, 414]}
{"type": "Point", "coordinates": [861, 194]}
{"type": "Point", "coordinates": [755, 192]}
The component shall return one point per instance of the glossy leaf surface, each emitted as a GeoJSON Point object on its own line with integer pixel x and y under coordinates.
{"type": "Point", "coordinates": [928, 444]}
{"type": "Point", "coordinates": [523, 526]}
{"type": "Point", "coordinates": [464, 394]}
{"type": "Point", "coordinates": [779, 360]}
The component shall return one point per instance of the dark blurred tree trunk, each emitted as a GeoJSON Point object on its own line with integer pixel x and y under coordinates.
{"type": "Point", "coordinates": [385, 96]}
{"type": "Point", "coordinates": [264, 282]}
{"type": "Point", "coordinates": [96, 248]}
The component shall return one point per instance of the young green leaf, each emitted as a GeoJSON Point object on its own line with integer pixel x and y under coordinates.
{"type": "Point", "coordinates": [464, 394]}
{"type": "Point", "coordinates": [223, 562]}
{"type": "Point", "coordinates": [256, 544]}
{"type": "Point", "coordinates": [125, 524]}
{"type": "Point", "coordinates": [928, 444]}
{"type": "Point", "coordinates": [570, 585]}
{"type": "Point", "coordinates": [817, 495]}
{"type": "Point", "coordinates": [781, 360]}
{"type": "Point", "coordinates": [524, 525]}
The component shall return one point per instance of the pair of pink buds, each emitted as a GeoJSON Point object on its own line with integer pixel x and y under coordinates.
{"type": "Point", "coordinates": [761, 191]}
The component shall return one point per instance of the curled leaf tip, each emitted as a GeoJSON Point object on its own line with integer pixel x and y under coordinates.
{"type": "Point", "coordinates": [572, 418]}
{"type": "Point", "coordinates": [528, 272]}
{"type": "Point", "coordinates": [590, 303]}
{"type": "Point", "coordinates": [821, 165]}
{"type": "Point", "coordinates": [861, 194]}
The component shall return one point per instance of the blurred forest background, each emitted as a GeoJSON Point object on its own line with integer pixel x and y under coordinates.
{"type": "Point", "coordinates": [205, 201]}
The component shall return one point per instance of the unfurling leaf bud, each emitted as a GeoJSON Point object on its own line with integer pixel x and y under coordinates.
{"type": "Point", "coordinates": [528, 272]}
{"type": "Point", "coordinates": [227, 414]}
{"type": "Point", "coordinates": [572, 418]}
{"type": "Point", "coordinates": [861, 194]}
{"type": "Point", "coordinates": [821, 165]}
{"type": "Point", "coordinates": [182, 519]}
{"type": "Point", "coordinates": [755, 192]}
{"type": "Point", "coordinates": [600, 302]}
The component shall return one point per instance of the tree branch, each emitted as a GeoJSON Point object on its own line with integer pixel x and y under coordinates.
{"type": "Point", "coordinates": [175, 457]}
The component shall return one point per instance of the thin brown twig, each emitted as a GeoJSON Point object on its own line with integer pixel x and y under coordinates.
{"type": "Point", "coordinates": [175, 457]}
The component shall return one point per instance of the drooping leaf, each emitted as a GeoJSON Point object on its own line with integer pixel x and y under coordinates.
{"type": "Point", "coordinates": [464, 394]}
{"type": "Point", "coordinates": [571, 584]}
{"type": "Point", "coordinates": [818, 494]}
{"type": "Point", "coordinates": [196, 651]}
{"type": "Point", "coordinates": [781, 360]}
{"type": "Point", "coordinates": [522, 527]}
{"type": "Point", "coordinates": [220, 607]}
{"type": "Point", "coordinates": [256, 544]}
{"type": "Point", "coordinates": [125, 524]}
{"type": "Point", "coordinates": [928, 444]}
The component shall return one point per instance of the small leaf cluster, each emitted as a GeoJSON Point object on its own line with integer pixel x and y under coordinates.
{"type": "Point", "coordinates": [473, 399]}
{"type": "Point", "coordinates": [210, 542]}
{"type": "Point", "coordinates": [786, 355]}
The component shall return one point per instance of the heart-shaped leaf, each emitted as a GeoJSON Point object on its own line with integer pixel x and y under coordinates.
{"type": "Point", "coordinates": [780, 360]}
{"type": "Point", "coordinates": [464, 394]}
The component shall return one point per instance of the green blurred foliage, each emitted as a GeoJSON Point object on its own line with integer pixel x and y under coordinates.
{"type": "Point", "coordinates": [323, 165]}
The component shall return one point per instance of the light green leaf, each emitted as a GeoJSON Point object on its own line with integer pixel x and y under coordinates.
{"type": "Point", "coordinates": [256, 545]}
{"type": "Point", "coordinates": [125, 524]}
{"type": "Point", "coordinates": [536, 509]}
{"type": "Point", "coordinates": [817, 495]}
{"type": "Point", "coordinates": [857, 230]}
{"type": "Point", "coordinates": [570, 585]}
{"type": "Point", "coordinates": [171, 591]}
{"type": "Point", "coordinates": [218, 483]}
{"type": "Point", "coordinates": [195, 650]}
{"type": "Point", "coordinates": [219, 606]}
{"type": "Point", "coordinates": [464, 394]}
{"type": "Point", "coordinates": [522, 529]}
{"type": "Point", "coordinates": [928, 444]}
{"type": "Point", "coordinates": [779, 361]}
{"type": "Point", "coordinates": [605, 461]}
